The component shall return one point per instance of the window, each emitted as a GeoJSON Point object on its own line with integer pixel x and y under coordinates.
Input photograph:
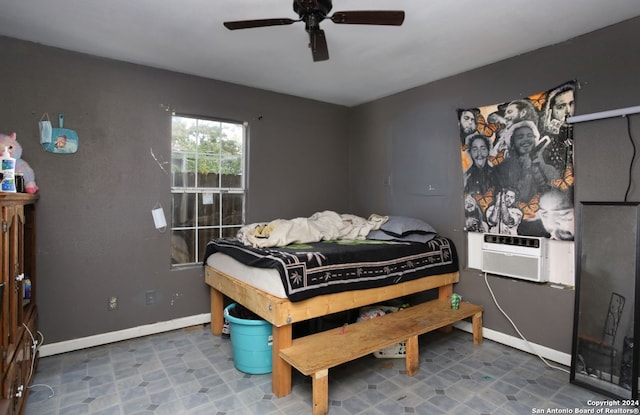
{"type": "Point", "coordinates": [207, 184]}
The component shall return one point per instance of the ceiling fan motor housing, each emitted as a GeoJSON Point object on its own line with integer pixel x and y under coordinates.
{"type": "Point", "coordinates": [319, 8]}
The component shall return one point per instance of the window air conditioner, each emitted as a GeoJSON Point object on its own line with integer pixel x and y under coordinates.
{"type": "Point", "coordinates": [523, 257]}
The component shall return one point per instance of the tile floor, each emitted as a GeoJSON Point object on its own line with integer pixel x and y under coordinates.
{"type": "Point", "coordinates": [189, 371]}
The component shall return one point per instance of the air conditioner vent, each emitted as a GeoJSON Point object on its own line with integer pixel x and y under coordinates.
{"type": "Point", "coordinates": [522, 257]}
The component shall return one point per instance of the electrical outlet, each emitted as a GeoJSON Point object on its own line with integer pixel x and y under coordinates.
{"type": "Point", "coordinates": [150, 297]}
{"type": "Point", "coordinates": [112, 303]}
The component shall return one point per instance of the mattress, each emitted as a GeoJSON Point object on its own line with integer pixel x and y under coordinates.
{"type": "Point", "coordinates": [326, 267]}
{"type": "Point", "coordinates": [265, 279]}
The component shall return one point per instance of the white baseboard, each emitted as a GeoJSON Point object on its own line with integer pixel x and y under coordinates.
{"type": "Point", "coordinates": [163, 326]}
{"type": "Point", "coordinates": [126, 334]}
{"type": "Point", "coordinates": [518, 343]}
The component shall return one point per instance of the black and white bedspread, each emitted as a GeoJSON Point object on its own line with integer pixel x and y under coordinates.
{"type": "Point", "coordinates": [325, 267]}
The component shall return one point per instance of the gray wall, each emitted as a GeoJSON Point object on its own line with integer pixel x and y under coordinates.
{"type": "Point", "coordinates": [605, 64]}
{"type": "Point", "coordinates": [95, 234]}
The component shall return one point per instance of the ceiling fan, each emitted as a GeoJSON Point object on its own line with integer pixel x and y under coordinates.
{"type": "Point", "coordinates": [312, 12]}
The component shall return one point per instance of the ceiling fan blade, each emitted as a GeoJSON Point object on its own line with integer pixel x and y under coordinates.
{"type": "Point", "coordinates": [318, 45]}
{"type": "Point", "coordinates": [248, 24]}
{"type": "Point", "coordinates": [375, 17]}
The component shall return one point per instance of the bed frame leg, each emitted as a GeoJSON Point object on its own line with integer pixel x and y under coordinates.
{"type": "Point", "coordinates": [444, 293]}
{"type": "Point", "coordinates": [217, 318]}
{"type": "Point", "coordinates": [281, 370]}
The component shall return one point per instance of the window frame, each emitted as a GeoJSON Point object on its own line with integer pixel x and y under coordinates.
{"type": "Point", "coordinates": [218, 193]}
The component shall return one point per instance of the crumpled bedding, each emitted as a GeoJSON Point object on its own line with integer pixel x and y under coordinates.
{"type": "Point", "coordinates": [321, 226]}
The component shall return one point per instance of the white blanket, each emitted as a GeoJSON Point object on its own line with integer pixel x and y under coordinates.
{"type": "Point", "coordinates": [321, 226]}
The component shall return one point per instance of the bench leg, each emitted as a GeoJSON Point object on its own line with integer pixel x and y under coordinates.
{"type": "Point", "coordinates": [320, 384]}
{"type": "Point", "coordinates": [217, 310]}
{"type": "Point", "coordinates": [412, 359]}
{"type": "Point", "coordinates": [476, 322]}
{"type": "Point", "coordinates": [281, 370]}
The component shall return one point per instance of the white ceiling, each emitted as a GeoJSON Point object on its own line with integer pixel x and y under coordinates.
{"type": "Point", "coordinates": [439, 38]}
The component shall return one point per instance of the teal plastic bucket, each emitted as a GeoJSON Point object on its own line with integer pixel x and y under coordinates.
{"type": "Point", "coordinates": [251, 343]}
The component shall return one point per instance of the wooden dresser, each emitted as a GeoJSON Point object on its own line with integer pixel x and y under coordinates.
{"type": "Point", "coordinates": [18, 300]}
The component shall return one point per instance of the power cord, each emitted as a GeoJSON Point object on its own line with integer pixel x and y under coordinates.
{"type": "Point", "coordinates": [486, 281]}
{"type": "Point", "coordinates": [633, 156]}
{"type": "Point", "coordinates": [36, 345]}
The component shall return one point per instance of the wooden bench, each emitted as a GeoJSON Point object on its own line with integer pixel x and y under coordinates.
{"type": "Point", "coordinates": [315, 354]}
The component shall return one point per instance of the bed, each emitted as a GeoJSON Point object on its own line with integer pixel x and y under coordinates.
{"type": "Point", "coordinates": [307, 280]}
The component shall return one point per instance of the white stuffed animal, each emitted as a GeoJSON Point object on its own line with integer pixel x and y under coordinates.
{"type": "Point", "coordinates": [15, 149]}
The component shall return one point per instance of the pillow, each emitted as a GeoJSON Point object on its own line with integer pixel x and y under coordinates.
{"type": "Point", "coordinates": [400, 226]}
{"type": "Point", "coordinates": [410, 237]}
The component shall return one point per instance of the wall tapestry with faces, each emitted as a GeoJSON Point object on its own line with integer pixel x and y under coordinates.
{"type": "Point", "coordinates": [517, 159]}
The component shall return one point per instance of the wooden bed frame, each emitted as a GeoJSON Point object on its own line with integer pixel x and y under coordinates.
{"type": "Point", "coordinates": [282, 313]}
